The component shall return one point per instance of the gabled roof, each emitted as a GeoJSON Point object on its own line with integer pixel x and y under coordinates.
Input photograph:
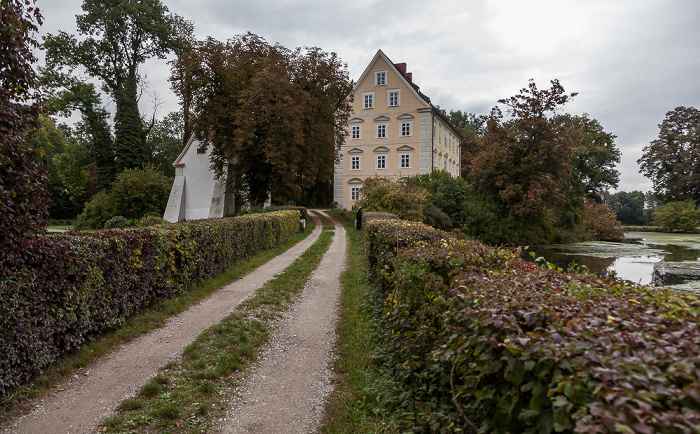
{"type": "Point", "coordinates": [409, 84]}
{"type": "Point", "coordinates": [178, 160]}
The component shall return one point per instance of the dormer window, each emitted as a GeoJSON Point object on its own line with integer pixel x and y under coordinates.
{"type": "Point", "coordinates": [380, 78]}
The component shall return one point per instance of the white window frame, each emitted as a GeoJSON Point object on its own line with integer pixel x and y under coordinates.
{"type": "Point", "coordinates": [355, 193]}
{"type": "Point", "coordinates": [382, 126]}
{"type": "Point", "coordinates": [368, 100]}
{"type": "Point", "coordinates": [409, 128]}
{"type": "Point", "coordinates": [380, 78]}
{"type": "Point", "coordinates": [397, 93]}
{"type": "Point", "coordinates": [405, 157]}
{"type": "Point", "coordinates": [440, 134]}
{"type": "Point", "coordinates": [355, 132]}
{"type": "Point", "coordinates": [380, 161]}
{"type": "Point", "coordinates": [355, 159]}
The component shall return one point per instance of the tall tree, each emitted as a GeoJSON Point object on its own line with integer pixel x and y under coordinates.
{"type": "Point", "coordinates": [672, 161]}
{"type": "Point", "coordinates": [66, 94]}
{"type": "Point", "coordinates": [275, 116]}
{"type": "Point", "coordinates": [23, 198]}
{"type": "Point", "coordinates": [524, 161]}
{"type": "Point", "coordinates": [628, 206]}
{"type": "Point", "coordinates": [594, 157]}
{"type": "Point", "coordinates": [117, 37]}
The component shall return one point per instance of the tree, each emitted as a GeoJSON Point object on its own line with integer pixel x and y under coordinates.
{"type": "Point", "coordinates": [447, 193]}
{"type": "Point", "coordinates": [164, 142]}
{"type": "Point", "coordinates": [677, 216]}
{"type": "Point", "coordinates": [67, 94]}
{"type": "Point", "coordinates": [23, 197]}
{"type": "Point", "coordinates": [384, 195]}
{"type": "Point", "coordinates": [117, 37]}
{"type": "Point", "coordinates": [628, 206]}
{"type": "Point", "coordinates": [602, 224]}
{"type": "Point", "coordinates": [672, 161]}
{"type": "Point", "coordinates": [276, 117]}
{"type": "Point", "coordinates": [524, 161]}
{"type": "Point", "coordinates": [70, 169]}
{"type": "Point", "coordinates": [594, 157]}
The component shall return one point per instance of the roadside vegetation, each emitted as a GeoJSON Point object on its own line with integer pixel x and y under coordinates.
{"type": "Point", "coordinates": [192, 393]}
{"type": "Point", "coordinates": [155, 316]}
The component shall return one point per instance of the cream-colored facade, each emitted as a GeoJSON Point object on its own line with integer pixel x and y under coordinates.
{"type": "Point", "coordinates": [394, 132]}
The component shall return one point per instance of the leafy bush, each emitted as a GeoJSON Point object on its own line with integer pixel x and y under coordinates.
{"type": "Point", "coordinates": [83, 284]}
{"type": "Point", "coordinates": [603, 224]}
{"type": "Point", "coordinates": [447, 193]}
{"type": "Point", "coordinates": [150, 219]}
{"type": "Point", "coordinates": [137, 192]}
{"type": "Point", "coordinates": [116, 222]}
{"type": "Point", "coordinates": [381, 194]}
{"type": "Point", "coordinates": [479, 340]}
{"type": "Point", "coordinates": [677, 216]}
{"type": "Point", "coordinates": [96, 213]}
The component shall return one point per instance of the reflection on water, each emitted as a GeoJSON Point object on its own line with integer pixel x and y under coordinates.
{"type": "Point", "coordinates": [647, 258]}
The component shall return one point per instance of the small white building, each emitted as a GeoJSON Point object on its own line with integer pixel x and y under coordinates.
{"type": "Point", "coordinates": [196, 193]}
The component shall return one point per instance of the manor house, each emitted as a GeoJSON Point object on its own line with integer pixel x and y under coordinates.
{"type": "Point", "coordinates": [394, 132]}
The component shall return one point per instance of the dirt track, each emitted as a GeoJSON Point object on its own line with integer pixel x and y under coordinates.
{"type": "Point", "coordinates": [80, 404]}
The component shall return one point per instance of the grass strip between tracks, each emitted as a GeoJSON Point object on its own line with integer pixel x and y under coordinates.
{"type": "Point", "coordinates": [189, 395]}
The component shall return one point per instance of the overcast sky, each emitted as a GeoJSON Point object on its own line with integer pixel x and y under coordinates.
{"type": "Point", "coordinates": [631, 61]}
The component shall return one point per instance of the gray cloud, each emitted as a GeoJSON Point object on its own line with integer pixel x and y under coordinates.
{"type": "Point", "coordinates": [631, 62]}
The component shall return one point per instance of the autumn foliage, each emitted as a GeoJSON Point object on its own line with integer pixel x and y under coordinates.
{"type": "Point", "coordinates": [23, 197]}
{"type": "Point", "coordinates": [475, 339]}
{"type": "Point", "coordinates": [83, 284]}
{"type": "Point", "coordinates": [275, 116]}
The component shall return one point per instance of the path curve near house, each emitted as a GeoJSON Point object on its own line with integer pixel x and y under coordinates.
{"type": "Point", "coordinates": [286, 390]}
{"type": "Point", "coordinates": [82, 402]}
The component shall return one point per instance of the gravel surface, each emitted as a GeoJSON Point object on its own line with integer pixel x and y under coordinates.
{"type": "Point", "coordinates": [82, 402]}
{"type": "Point", "coordinates": [287, 388]}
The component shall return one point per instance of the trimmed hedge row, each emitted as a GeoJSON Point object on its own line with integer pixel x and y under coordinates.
{"type": "Point", "coordinates": [82, 284]}
{"type": "Point", "coordinates": [481, 340]}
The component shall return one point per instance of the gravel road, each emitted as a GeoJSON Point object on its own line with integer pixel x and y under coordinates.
{"type": "Point", "coordinates": [286, 390]}
{"type": "Point", "coordinates": [82, 402]}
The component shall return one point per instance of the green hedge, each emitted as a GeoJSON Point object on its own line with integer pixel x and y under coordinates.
{"type": "Point", "coordinates": [478, 339]}
{"type": "Point", "coordinates": [82, 284]}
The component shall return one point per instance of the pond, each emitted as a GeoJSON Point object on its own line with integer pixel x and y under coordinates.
{"type": "Point", "coordinates": [648, 258]}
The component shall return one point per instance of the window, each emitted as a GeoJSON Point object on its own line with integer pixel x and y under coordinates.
{"type": "Point", "coordinates": [405, 161]}
{"type": "Point", "coordinates": [381, 161]}
{"type": "Point", "coordinates": [434, 128]}
{"type": "Point", "coordinates": [355, 193]}
{"type": "Point", "coordinates": [394, 98]}
{"type": "Point", "coordinates": [368, 98]}
{"type": "Point", "coordinates": [440, 134]}
{"type": "Point", "coordinates": [445, 164]}
{"type": "Point", "coordinates": [356, 132]}
{"type": "Point", "coordinates": [380, 78]}
{"type": "Point", "coordinates": [381, 131]}
{"type": "Point", "coordinates": [355, 162]}
{"type": "Point", "coordinates": [405, 129]}
{"type": "Point", "coordinates": [445, 137]}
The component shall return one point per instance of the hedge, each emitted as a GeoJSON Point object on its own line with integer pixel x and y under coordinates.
{"type": "Point", "coordinates": [82, 284]}
{"type": "Point", "coordinates": [480, 340]}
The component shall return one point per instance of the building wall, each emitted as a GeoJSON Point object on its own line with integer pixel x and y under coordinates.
{"type": "Point", "coordinates": [422, 146]}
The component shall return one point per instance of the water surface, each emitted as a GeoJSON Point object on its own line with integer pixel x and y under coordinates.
{"type": "Point", "coordinates": [648, 258]}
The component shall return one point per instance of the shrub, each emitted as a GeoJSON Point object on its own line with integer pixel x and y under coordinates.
{"type": "Point", "coordinates": [83, 284]}
{"type": "Point", "coordinates": [603, 224]}
{"type": "Point", "coordinates": [381, 194]}
{"type": "Point", "coordinates": [116, 222]}
{"type": "Point", "coordinates": [150, 219]}
{"type": "Point", "coordinates": [447, 193]}
{"type": "Point", "coordinates": [96, 213]}
{"type": "Point", "coordinates": [137, 192]}
{"type": "Point", "coordinates": [479, 340]}
{"type": "Point", "coordinates": [677, 216]}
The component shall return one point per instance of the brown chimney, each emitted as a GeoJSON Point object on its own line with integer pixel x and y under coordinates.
{"type": "Point", "coordinates": [409, 76]}
{"type": "Point", "coordinates": [401, 67]}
